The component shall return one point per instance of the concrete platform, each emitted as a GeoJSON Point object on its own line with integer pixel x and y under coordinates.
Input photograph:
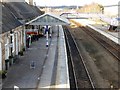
{"type": "Point", "coordinates": [51, 68]}
{"type": "Point", "coordinates": [55, 73]}
{"type": "Point", "coordinates": [114, 36]}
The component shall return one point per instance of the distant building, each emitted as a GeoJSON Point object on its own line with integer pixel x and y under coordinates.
{"type": "Point", "coordinates": [111, 10]}
{"type": "Point", "coordinates": [31, 2]}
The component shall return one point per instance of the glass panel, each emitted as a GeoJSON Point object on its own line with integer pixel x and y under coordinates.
{"type": "Point", "coordinates": [49, 19]}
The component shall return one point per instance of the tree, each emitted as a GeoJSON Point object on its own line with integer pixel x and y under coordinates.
{"type": "Point", "coordinates": [92, 8]}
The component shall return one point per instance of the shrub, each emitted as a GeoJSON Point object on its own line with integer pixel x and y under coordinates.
{"type": "Point", "coordinates": [3, 73]}
{"type": "Point", "coordinates": [20, 53]}
{"type": "Point", "coordinates": [23, 49]}
{"type": "Point", "coordinates": [10, 57]}
{"type": "Point", "coordinates": [7, 60]}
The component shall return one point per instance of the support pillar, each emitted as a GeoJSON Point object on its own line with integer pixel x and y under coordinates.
{"type": "Point", "coordinates": [30, 40]}
{"type": "Point", "coordinates": [0, 56]}
{"type": "Point", "coordinates": [12, 47]}
{"type": "Point", "coordinates": [47, 44]}
{"type": "Point", "coordinates": [36, 30]}
{"type": "Point", "coordinates": [50, 32]}
{"type": "Point", "coordinates": [58, 30]}
{"type": "Point", "coordinates": [24, 38]}
{"type": "Point", "coordinates": [6, 63]}
{"type": "Point", "coordinates": [13, 41]}
{"type": "Point", "coordinates": [7, 48]}
{"type": "Point", "coordinates": [19, 43]}
{"type": "Point", "coordinates": [21, 32]}
{"type": "Point", "coordinates": [16, 44]}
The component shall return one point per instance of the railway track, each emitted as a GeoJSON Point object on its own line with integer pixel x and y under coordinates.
{"type": "Point", "coordinates": [113, 50]}
{"type": "Point", "coordinates": [79, 77]}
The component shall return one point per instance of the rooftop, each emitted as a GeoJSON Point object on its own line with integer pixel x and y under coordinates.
{"type": "Point", "coordinates": [13, 12]}
{"type": "Point", "coordinates": [9, 22]}
{"type": "Point", "coordinates": [22, 10]}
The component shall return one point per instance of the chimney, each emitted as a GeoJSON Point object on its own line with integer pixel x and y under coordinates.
{"type": "Point", "coordinates": [31, 2]}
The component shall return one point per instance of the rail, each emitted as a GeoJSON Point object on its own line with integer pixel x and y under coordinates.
{"type": "Point", "coordinates": [77, 61]}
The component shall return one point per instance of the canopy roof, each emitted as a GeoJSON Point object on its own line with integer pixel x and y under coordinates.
{"type": "Point", "coordinates": [49, 19]}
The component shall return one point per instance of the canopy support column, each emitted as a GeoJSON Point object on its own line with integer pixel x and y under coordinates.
{"type": "Point", "coordinates": [46, 30]}
{"type": "Point", "coordinates": [0, 55]}
{"type": "Point", "coordinates": [24, 37]}
{"type": "Point", "coordinates": [58, 30]}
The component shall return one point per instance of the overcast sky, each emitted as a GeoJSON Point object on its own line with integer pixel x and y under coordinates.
{"type": "Point", "coordinates": [73, 2]}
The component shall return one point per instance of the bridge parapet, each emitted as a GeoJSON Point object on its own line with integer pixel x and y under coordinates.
{"type": "Point", "coordinates": [87, 15]}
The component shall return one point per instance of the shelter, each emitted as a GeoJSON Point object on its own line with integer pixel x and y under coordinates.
{"type": "Point", "coordinates": [13, 17]}
{"type": "Point", "coordinates": [48, 20]}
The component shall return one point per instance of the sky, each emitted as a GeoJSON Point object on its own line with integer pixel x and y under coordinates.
{"type": "Point", "coordinates": [73, 2]}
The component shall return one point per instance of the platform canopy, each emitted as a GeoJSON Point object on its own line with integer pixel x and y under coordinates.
{"type": "Point", "coordinates": [49, 19]}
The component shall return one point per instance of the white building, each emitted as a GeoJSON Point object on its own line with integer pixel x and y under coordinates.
{"type": "Point", "coordinates": [111, 10]}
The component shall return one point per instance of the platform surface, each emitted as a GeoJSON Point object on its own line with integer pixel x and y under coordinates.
{"type": "Point", "coordinates": [51, 68]}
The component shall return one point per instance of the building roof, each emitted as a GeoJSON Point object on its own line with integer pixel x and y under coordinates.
{"type": "Point", "coordinates": [23, 11]}
{"type": "Point", "coordinates": [13, 12]}
{"type": "Point", "coordinates": [49, 19]}
{"type": "Point", "coordinates": [9, 22]}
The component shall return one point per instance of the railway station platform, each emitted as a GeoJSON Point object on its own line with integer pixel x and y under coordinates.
{"type": "Point", "coordinates": [50, 65]}
{"type": "Point", "coordinates": [114, 36]}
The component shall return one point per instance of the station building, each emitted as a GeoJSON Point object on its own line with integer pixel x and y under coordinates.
{"type": "Point", "coordinates": [14, 17]}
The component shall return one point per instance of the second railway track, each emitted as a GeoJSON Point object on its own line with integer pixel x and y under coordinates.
{"type": "Point", "coordinates": [113, 50]}
{"type": "Point", "coordinates": [80, 73]}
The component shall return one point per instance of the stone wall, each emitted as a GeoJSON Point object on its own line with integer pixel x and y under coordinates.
{"type": "Point", "coordinates": [6, 49]}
